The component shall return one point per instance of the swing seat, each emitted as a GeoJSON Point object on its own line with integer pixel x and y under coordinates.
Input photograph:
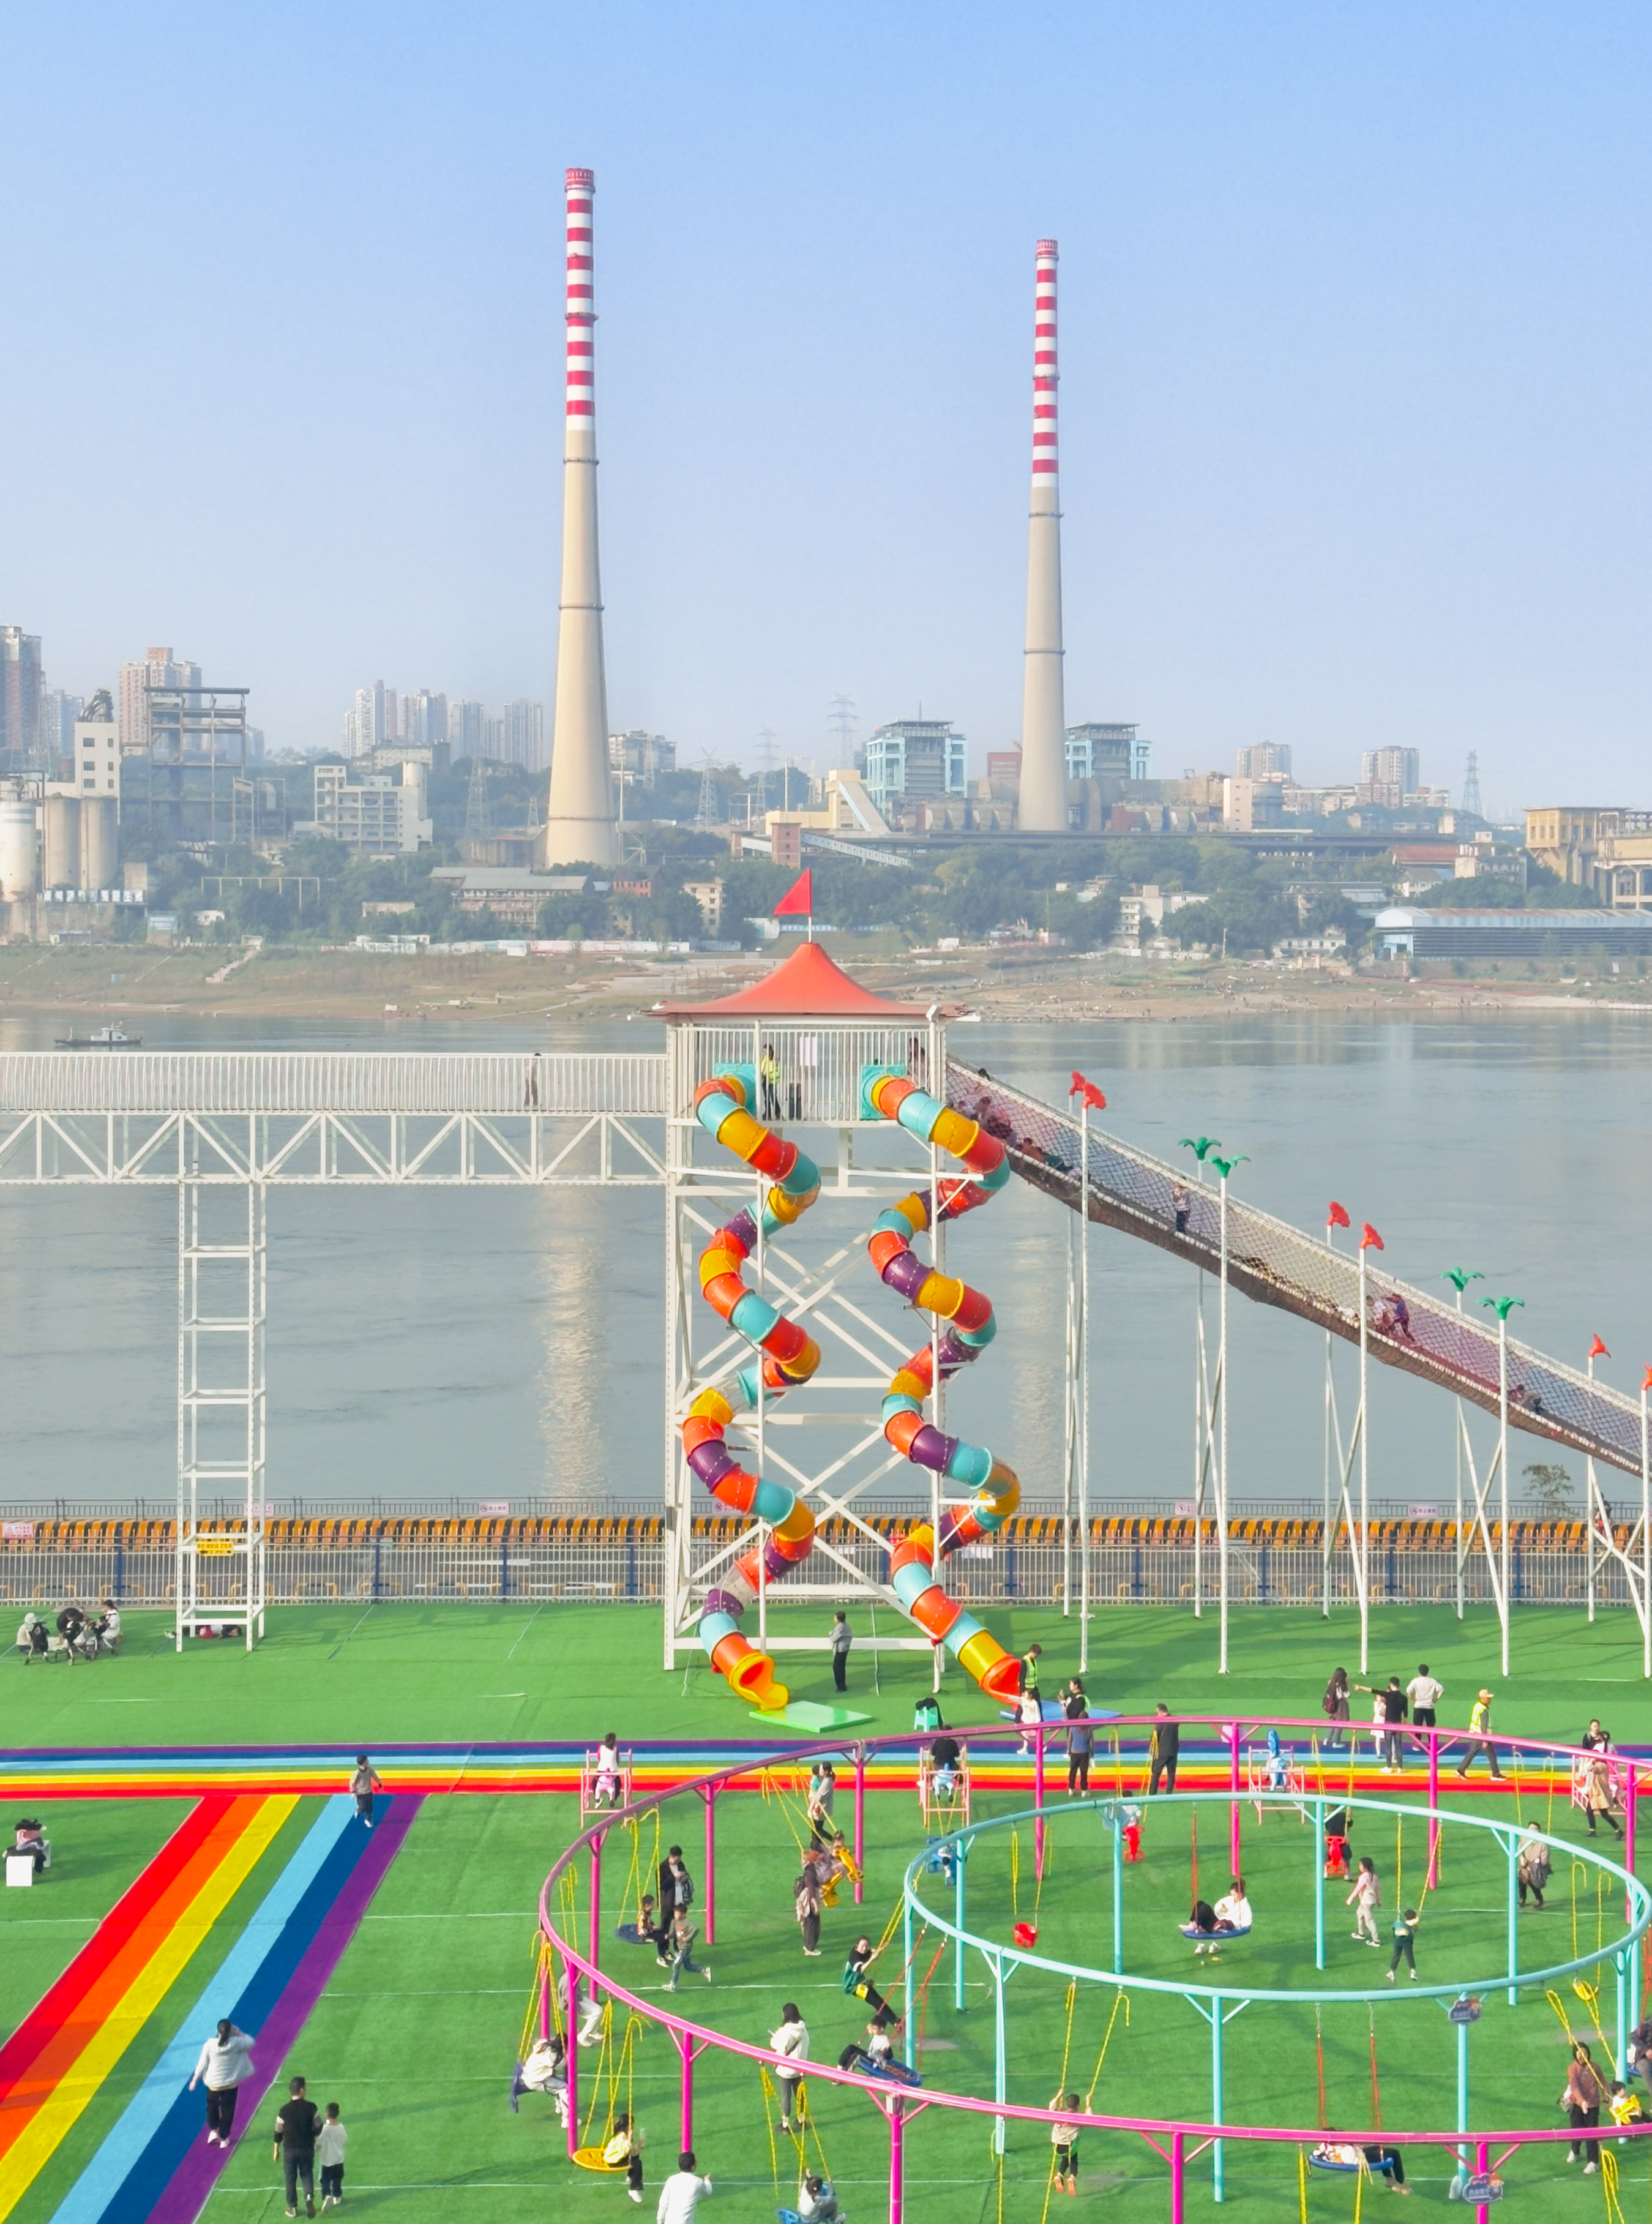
{"type": "Point", "coordinates": [1212, 1938]}
{"type": "Point", "coordinates": [591, 2158]}
{"type": "Point", "coordinates": [788, 2216]}
{"type": "Point", "coordinates": [1025, 1934]}
{"type": "Point", "coordinates": [632, 1935]}
{"type": "Point", "coordinates": [1384, 2169]}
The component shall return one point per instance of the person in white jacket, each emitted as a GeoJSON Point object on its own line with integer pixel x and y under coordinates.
{"type": "Point", "coordinates": [225, 2061]}
{"type": "Point", "coordinates": [792, 2039]}
{"type": "Point", "coordinates": [683, 2192]}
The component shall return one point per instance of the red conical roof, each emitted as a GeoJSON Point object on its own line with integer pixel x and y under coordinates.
{"type": "Point", "coordinates": [807, 985]}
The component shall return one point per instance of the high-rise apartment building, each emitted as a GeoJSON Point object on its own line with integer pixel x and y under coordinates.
{"type": "Point", "coordinates": [59, 711]}
{"type": "Point", "coordinates": [160, 668]}
{"type": "Point", "coordinates": [20, 698]}
{"type": "Point", "coordinates": [522, 734]}
{"type": "Point", "coordinates": [424, 718]}
{"type": "Point", "coordinates": [642, 757]}
{"type": "Point", "coordinates": [467, 728]}
{"type": "Point", "coordinates": [917, 757]}
{"type": "Point", "coordinates": [1264, 761]}
{"type": "Point", "coordinates": [1391, 768]}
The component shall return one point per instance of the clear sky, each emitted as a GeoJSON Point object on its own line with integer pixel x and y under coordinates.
{"type": "Point", "coordinates": [1354, 334]}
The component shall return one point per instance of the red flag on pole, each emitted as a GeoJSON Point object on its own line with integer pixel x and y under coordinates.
{"type": "Point", "coordinates": [1336, 1215]}
{"type": "Point", "coordinates": [798, 901]}
{"type": "Point", "coordinates": [1369, 1239]}
{"type": "Point", "coordinates": [1089, 1092]}
{"type": "Point", "coordinates": [1598, 1350]}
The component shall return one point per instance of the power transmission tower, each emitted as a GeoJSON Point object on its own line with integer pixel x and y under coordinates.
{"type": "Point", "coordinates": [844, 717]}
{"type": "Point", "coordinates": [1472, 785]}
{"type": "Point", "coordinates": [709, 813]}
{"type": "Point", "coordinates": [478, 809]}
{"type": "Point", "coordinates": [767, 738]}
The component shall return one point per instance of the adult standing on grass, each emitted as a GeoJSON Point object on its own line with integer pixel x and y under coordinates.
{"type": "Point", "coordinates": [295, 2144]}
{"type": "Point", "coordinates": [805, 1907]}
{"type": "Point", "coordinates": [364, 1781]}
{"type": "Point", "coordinates": [1581, 2100]}
{"type": "Point", "coordinates": [1480, 1723]}
{"type": "Point", "coordinates": [842, 1637]}
{"type": "Point", "coordinates": [683, 2192]}
{"type": "Point", "coordinates": [1425, 1692]}
{"type": "Point", "coordinates": [791, 2040]}
{"type": "Point", "coordinates": [1600, 1793]}
{"type": "Point", "coordinates": [1030, 1660]}
{"type": "Point", "coordinates": [1081, 1739]}
{"type": "Point", "coordinates": [1532, 1865]}
{"type": "Point", "coordinates": [1335, 1705]}
{"type": "Point", "coordinates": [225, 2062]}
{"type": "Point", "coordinates": [1164, 1750]}
{"type": "Point", "coordinates": [1393, 1705]}
{"type": "Point", "coordinates": [668, 1872]}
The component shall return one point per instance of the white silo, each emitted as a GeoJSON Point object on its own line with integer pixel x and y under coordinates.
{"type": "Point", "coordinates": [19, 873]}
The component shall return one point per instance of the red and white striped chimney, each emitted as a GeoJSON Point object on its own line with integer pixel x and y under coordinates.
{"type": "Point", "coordinates": [1043, 721]}
{"type": "Point", "coordinates": [580, 826]}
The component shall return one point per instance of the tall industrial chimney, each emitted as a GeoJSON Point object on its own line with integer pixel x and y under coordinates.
{"type": "Point", "coordinates": [1043, 718]}
{"type": "Point", "coordinates": [580, 819]}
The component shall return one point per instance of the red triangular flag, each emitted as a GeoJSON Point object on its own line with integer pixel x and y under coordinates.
{"type": "Point", "coordinates": [1369, 1239]}
{"type": "Point", "coordinates": [798, 901]}
{"type": "Point", "coordinates": [1336, 1215]}
{"type": "Point", "coordinates": [1598, 1350]}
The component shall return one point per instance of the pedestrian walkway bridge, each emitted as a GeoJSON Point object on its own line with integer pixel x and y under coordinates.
{"type": "Point", "coordinates": [377, 1118]}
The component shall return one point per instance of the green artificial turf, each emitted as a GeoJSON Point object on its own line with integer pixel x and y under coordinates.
{"type": "Point", "coordinates": [418, 2031]}
{"type": "Point", "coordinates": [399, 1673]}
{"type": "Point", "coordinates": [98, 1847]}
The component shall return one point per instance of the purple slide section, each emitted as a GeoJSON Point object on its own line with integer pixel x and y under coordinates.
{"type": "Point", "coordinates": [193, 2180]}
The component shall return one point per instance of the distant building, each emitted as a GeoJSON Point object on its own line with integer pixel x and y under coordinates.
{"type": "Point", "coordinates": [519, 736]}
{"type": "Point", "coordinates": [56, 741]}
{"type": "Point", "coordinates": [20, 698]}
{"type": "Point", "coordinates": [423, 719]}
{"type": "Point", "coordinates": [1600, 847]}
{"type": "Point", "coordinates": [1264, 761]}
{"type": "Point", "coordinates": [1387, 776]}
{"type": "Point", "coordinates": [708, 894]}
{"type": "Point", "coordinates": [512, 894]}
{"type": "Point", "coordinates": [1511, 935]}
{"type": "Point", "coordinates": [642, 757]}
{"type": "Point", "coordinates": [1098, 752]}
{"type": "Point", "coordinates": [159, 669]}
{"type": "Point", "coordinates": [914, 760]}
{"type": "Point", "coordinates": [375, 814]}
{"type": "Point", "coordinates": [467, 728]}
{"type": "Point", "coordinates": [1249, 804]}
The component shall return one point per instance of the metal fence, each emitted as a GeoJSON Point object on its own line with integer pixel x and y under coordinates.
{"type": "Point", "coordinates": [209, 1082]}
{"type": "Point", "coordinates": [1141, 1563]}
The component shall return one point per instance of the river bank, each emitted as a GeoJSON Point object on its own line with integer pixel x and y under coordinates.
{"type": "Point", "coordinates": [1027, 986]}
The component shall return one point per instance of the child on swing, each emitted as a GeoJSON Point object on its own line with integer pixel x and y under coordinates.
{"type": "Point", "coordinates": [607, 1772]}
{"type": "Point", "coordinates": [1366, 1899]}
{"type": "Point", "coordinates": [623, 2150]}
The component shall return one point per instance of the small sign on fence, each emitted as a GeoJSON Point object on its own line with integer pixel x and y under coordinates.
{"type": "Point", "coordinates": [1484, 2186]}
{"type": "Point", "coordinates": [1185, 1509]}
{"type": "Point", "coordinates": [214, 1548]}
{"type": "Point", "coordinates": [1423, 1513]}
{"type": "Point", "coordinates": [18, 1532]}
{"type": "Point", "coordinates": [493, 1509]}
{"type": "Point", "coordinates": [1464, 2011]}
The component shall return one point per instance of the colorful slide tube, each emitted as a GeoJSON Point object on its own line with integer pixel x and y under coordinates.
{"type": "Point", "coordinates": [785, 1356]}
{"type": "Point", "coordinates": [994, 1489]}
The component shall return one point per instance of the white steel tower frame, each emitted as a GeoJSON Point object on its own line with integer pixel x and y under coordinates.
{"type": "Point", "coordinates": [824, 1438]}
{"type": "Point", "coordinates": [221, 1258]}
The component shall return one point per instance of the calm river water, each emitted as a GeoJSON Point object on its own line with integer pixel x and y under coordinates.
{"type": "Point", "coordinates": [470, 1345]}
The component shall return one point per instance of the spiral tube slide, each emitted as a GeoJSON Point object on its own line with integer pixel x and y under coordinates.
{"type": "Point", "coordinates": [786, 1356]}
{"type": "Point", "coordinates": [995, 1490]}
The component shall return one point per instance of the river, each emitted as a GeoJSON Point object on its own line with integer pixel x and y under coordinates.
{"type": "Point", "coordinates": [472, 1345]}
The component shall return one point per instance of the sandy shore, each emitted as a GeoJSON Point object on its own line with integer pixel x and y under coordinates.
{"type": "Point", "coordinates": [1031, 987]}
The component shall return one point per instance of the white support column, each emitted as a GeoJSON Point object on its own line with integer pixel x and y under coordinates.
{"type": "Point", "coordinates": [1221, 1456]}
{"type": "Point", "coordinates": [221, 1406]}
{"type": "Point", "coordinates": [1084, 1387]}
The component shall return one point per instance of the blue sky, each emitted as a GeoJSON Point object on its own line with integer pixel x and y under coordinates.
{"type": "Point", "coordinates": [1354, 333]}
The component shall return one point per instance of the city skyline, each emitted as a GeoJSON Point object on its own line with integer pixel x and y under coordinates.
{"type": "Point", "coordinates": [1351, 412]}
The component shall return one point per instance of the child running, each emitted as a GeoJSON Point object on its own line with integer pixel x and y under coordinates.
{"type": "Point", "coordinates": [364, 1781]}
{"type": "Point", "coordinates": [1405, 1933]}
{"type": "Point", "coordinates": [330, 2155]}
{"type": "Point", "coordinates": [1063, 2137]}
{"type": "Point", "coordinates": [1366, 1899]}
{"type": "Point", "coordinates": [683, 1934]}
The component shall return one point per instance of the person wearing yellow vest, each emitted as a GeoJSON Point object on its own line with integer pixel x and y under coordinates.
{"type": "Point", "coordinates": [1479, 1721]}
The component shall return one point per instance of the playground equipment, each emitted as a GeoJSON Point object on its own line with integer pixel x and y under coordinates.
{"type": "Point", "coordinates": [605, 1783]}
{"type": "Point", "coordinates": [809, 1045]}
{"type": "Point", "coordinates": [1475, 2152]}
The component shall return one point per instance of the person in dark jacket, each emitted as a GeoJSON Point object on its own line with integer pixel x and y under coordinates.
{"type": "Point", "coordinates": [295, 2146]}
{"type": "Point", "coordinates": [1164, 1749]}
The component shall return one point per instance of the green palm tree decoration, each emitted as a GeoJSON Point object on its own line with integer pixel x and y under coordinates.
{"type": "Point", "coordinates": [1503, 1306]}
{"type": "Point", "coordinates": [1460, 1277]}
{"type": "Point", "coordinates": [1204, 1144]}
{"type": "Point", "coordinates": [1225, 1166]}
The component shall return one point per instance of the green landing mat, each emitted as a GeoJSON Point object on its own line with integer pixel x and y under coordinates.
{"type": "Point", "coordinates": [809, 1715]}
